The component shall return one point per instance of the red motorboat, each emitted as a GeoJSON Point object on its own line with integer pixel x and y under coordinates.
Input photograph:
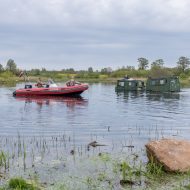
{"type": "Point", "coordinates": [51, 90]}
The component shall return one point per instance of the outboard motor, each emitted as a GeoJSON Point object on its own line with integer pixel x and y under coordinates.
{"type": "Point", "coordinates": [14, 93]}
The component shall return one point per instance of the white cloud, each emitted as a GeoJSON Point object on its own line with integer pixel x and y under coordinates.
{"type": "Point", "coordinates": [99, 33]}
{"type": "Point", "coordinates": [163, 15]}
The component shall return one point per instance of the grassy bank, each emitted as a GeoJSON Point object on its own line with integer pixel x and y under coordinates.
{"type": "Point", "coordinates": [12, 80]}
{"type": "Point", "coordinates": [9, 79]}
{"type": "Point", "coordinates": [185, 82]}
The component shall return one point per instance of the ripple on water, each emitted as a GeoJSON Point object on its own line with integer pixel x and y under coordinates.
{"type": "Point", "coordinates": [100, 113]}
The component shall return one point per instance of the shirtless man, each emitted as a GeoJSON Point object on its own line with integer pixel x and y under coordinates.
{"type": "Point", "coordinates": [39, 83]}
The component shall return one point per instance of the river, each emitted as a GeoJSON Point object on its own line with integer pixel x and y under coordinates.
{"type": "Point", "coordinates": [99, 114]}
{"type": "Point", "coordinates": [49, 136]}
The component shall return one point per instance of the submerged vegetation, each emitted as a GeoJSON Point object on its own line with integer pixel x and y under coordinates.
{"type": "Point", "coordinates": [56, 163]}
{"type": "Point", "coordinates": [18, 183]}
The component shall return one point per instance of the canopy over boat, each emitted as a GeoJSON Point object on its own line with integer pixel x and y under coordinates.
{"type": "Point", "coordinates": [52, 89]}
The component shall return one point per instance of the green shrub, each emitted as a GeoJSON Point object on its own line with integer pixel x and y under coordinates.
{"type": "Point", "coordinates": [6, 74]}
{"type": "Point", "coordinates": [183, 76]}
{"type": "Point", "coordinates": [103, 76]}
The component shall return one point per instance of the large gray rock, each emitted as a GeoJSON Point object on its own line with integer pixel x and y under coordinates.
{"type": "Point", "coordinates": [173, 154]}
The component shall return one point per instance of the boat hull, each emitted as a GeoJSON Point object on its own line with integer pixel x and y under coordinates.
{"type": "Point", "coordinates": [52, 91]}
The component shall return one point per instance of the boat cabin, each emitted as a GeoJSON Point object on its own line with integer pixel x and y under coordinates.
{"type": "Point", "coordinates": [129, 85]}
{"type": "Point", "coordinates": [164, 84]}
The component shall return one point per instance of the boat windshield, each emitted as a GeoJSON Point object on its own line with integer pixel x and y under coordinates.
{"type": "Point", "coordinates": [51, 83]}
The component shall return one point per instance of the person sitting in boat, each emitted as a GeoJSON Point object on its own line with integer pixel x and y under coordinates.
{"type": "Point", "coordinates": [126, 77]}
{"type": "Point", "coordinates": [72, 82]}
{"type": "Point", "coordinates": [39, 83]}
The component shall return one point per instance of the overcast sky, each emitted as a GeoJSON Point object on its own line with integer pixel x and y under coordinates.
{"type": "Point", "coordinates": [58, 34]}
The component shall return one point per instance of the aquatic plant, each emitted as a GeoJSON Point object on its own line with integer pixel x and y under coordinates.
{"type": "Point", "coordinates": [154, 169]}
{"type": "Point", "coordinates": [105, 157]}
{"type": "Point", "coordinates": [62, 187]}
{"type": "Point", "coordinates": [24, 158]}
{"type": "Point", "coordinates": [124, 168]}
{"type": "Point", "coordinates": [127, 174]}
{"type": "Point", "coordinates": [94, 169]}
{"type": "Point", "coordinates": [187, 187]}
{"type": "Point", "coordinates": [3, 160]}
{"type": "Point", "coordinates": [102, 176]}
{"type": "Point", "coordinates": [21, 184]}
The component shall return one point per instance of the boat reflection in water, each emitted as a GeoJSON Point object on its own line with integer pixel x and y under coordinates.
{"type": "Point", "coordinates": [148, 96]}
{"type": "Point", "coordinates": [162, 96]}
{"type": "Point", "coordinates": [130, 94]}
{"type": "Point", "coordinates": [52, 100]}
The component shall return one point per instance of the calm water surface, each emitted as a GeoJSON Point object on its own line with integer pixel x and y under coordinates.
{"type": "Point", "coordinates": [99, 114]}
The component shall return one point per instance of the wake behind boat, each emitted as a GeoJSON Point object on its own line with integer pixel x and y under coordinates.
{"type": "Point", "coordinates": [51, 89]}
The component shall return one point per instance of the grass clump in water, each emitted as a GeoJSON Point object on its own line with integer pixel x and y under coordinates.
{"type": "Point", "coordinates": [3, 160]}
{"type": "Point", "coordinates": [154, 169]}
{"type": "Point", "coordinates": [19, 183]}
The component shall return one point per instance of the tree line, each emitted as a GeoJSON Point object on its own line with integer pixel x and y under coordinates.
{"type": "Point", "coordinates": [145, 68]}
{"type": "Point", "coordinates": [183, 63]}
{"type": "Point", "coordinates": [10, 66]}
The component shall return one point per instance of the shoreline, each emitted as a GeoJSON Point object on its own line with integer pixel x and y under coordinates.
{"type": "Point", "coordinates": [14, 80]}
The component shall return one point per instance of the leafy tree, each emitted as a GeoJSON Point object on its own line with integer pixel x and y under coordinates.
{"type": "Point", "coordinates": [109, 69]}
{"type": "Point", "coordinates": [143, 63]}
{"type": "Point", "coordinates": [90, 70]}
{"type": "Point", "coordinates": [43, 69]}
{"type": "Point", "coordinates": [11, 66]}
{"type": "Point", "coordinates": [157, 71]}
{"type": "Point", "coordinates": [130, 68]}
{"type": "Point", "coordinates": [183, 63]}
{"type": "Point", "coordinates": [104, 71]}
{"type": "Point", "coordinates": [70, 71]}
{"type": "Point", "coordinates": [158, 63]}
{"type": "Point", "coordinates": [1, 68]}
{"type": "Point", "coordinates": [35, 72]}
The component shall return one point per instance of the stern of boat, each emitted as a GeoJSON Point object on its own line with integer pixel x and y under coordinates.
{"type": "Point", "coordinates": [14, 93]}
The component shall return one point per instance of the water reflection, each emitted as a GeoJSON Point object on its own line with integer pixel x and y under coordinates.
{"type": "Point", "coordinates": [150, 96]}
{"type": "Point", "coordinates": [139, 116]}
{"type": "Point", "coordinates": [52, 100]}
{"type": "Point", "coordinates": [162, 96]}
{"type": "Point", "coordinates": [130, 94]}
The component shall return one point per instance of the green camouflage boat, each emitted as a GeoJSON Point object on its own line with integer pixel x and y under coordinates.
{"type": "Point", "coordinates": [129, 85]}
{"type": "Point", "coordinates": [163, 84]}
